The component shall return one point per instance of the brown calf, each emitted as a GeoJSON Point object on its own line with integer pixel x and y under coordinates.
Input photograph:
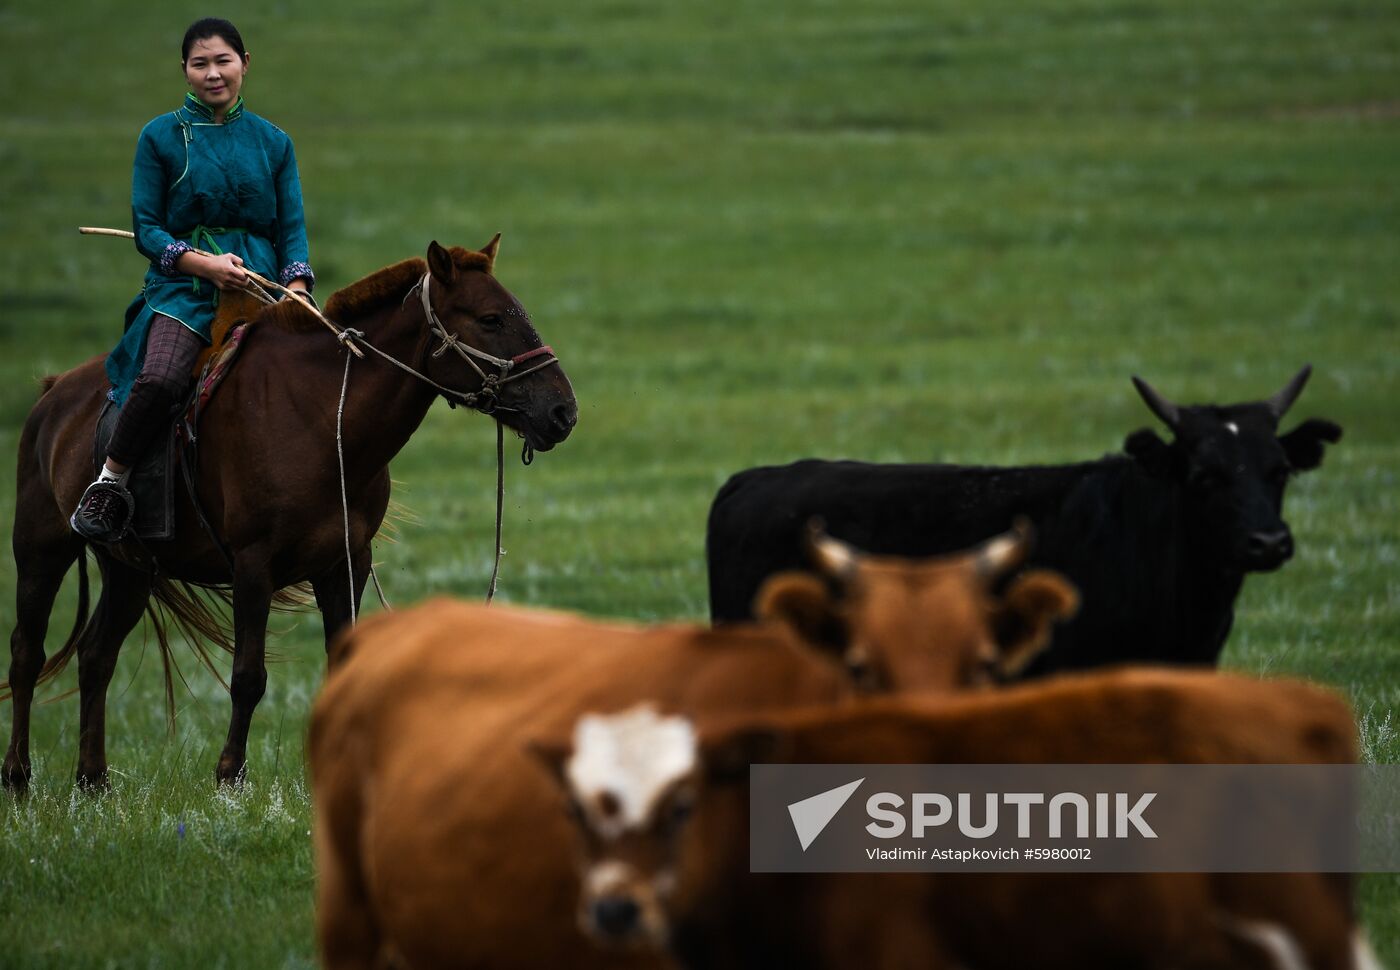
{"type": "Point", "coordinates": [679, 876]}
{"type": "Point", "coordinates": [943, 622]}
{"type": "Point", "coordinates": [437, 838]}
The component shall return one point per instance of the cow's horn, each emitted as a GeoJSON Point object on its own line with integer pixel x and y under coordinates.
{"type": "Point", "coordinates": [1283, 400]}
{"type": "Point", "coordinates": [1164, 409]}
{"type": "Point", "coordinates": [832, 556]}
{"type": "Point", "coordinates": [1005, 552]}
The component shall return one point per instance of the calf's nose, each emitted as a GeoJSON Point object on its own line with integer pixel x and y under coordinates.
{"type": "Point", "coordinates": [616, 915]}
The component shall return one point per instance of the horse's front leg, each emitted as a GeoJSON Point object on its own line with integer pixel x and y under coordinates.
{"type": "Point", "coordinates": [335, 594]}
{"type": "Point", "coordinates": [252, 600]}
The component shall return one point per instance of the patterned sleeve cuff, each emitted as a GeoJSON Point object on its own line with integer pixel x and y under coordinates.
{"type": "Point", "coordinates": [170, 254]}
{"type": "Point", "coordinates": [293, 271]}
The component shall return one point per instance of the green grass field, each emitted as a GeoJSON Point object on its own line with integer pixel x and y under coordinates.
{"type": "Point", "coordinates": [890, 230]}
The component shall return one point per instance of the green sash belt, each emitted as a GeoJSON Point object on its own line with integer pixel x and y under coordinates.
{"type": "Point", "coordinates": [202, 237]}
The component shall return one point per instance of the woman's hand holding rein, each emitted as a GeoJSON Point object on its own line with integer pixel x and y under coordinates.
{"type": "Point", "coordinates": [224, 270]}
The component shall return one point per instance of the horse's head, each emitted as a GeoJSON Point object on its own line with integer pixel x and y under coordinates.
{"type": "Point", "coordinates": [482, 342]}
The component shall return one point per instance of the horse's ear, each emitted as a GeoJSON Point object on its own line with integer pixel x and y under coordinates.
{"type": "Point", "coordinates": [440, 263]}
{"type": "Point", "coordinates": [491, 248]}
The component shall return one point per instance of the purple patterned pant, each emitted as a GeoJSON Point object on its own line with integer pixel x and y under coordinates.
{"type": "Point", "coordinates": [165, 379]}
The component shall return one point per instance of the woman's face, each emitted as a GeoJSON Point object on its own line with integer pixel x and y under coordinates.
{"type": "Point", "coordinates": [215, 71]}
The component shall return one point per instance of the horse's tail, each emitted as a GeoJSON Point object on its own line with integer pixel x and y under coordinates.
{"type": "Point", "coordinates": [200, 614]}
{"type": "Point", "coordinates": [190, 610]}
{"type": "Point", "coordinates": [55, 664]}
{"type": "Point", "coordinates": [190, 614]}
{"type": "Point", "coordinates": [197, 613]}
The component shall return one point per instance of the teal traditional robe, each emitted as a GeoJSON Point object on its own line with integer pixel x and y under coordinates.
{"type": "Point", "coordinates": [222, 188]}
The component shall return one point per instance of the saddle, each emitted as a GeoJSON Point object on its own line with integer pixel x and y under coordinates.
{"type": "Point", "coordinates": [152, 481]}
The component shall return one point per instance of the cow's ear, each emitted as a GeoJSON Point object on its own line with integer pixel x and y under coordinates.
{"type": "Point", "coordinates": [726, 759]}
{"type": "Point", "coordinates": [1304, 445]}
{"type": "Point", "coordinates": [803, 603]}
{"type": "Point", "coordinates": [553, 755]}
{"type": "Point", "coordinates": [1154, 454]}
{"type": "Point", "coordinates": [1033, 603]}
{"type": "Point", "coordinates": [440, 263]}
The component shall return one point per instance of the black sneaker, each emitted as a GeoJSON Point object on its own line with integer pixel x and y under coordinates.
{"type": "Point", "coordinates": [104, 513]}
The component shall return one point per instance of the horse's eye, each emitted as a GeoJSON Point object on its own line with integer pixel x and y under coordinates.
{"type": "Point", "coordinates": [491, 320]}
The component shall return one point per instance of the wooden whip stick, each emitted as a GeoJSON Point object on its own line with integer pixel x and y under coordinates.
{"type": "Point", "coordinates": [269, 284]}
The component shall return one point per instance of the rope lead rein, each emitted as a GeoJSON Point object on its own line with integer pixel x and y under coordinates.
{"type": "Point", "coordinates": [485, 400]}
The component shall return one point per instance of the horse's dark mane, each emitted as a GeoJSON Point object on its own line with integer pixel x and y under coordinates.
{"type": "Point", "coordinates": [376, 291]}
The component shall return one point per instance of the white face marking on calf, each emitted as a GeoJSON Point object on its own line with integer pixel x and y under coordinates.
{"type": "Point", "coordinates": [606, 878]}
{"type": "Point", "coordinates": [627, 761]}
{"type": "Point", "coordinates": [1233, 428]}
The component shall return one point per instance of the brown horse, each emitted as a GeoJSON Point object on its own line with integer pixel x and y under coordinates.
{"type": "Point", "coordinates": [268, 477]}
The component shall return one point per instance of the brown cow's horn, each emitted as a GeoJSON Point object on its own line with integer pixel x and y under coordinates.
{"type": "Point", "coordinates": [832, 556]}
{"type": "Point", "coordinates": [1164, 409]}
{"type": "Point", "coordinates": [1005, 552]}
{"type": "Point", "coordinates": [1283, 400]}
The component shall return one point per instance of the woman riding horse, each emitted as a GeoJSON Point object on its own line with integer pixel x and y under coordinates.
{"type": "Point", "coordinates": [216, 175]}
{"type": "Point", "coordinates": [290, 482]}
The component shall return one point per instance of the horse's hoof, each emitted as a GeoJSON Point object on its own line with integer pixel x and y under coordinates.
{"type": "Point", "coordinates": [15, 777]}
{"type": "Point", "coordinates": [94, 781]}
{"type": "Point", "coordinates": [231, 772]}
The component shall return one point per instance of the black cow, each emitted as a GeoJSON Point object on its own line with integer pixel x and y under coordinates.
{"type": "Point", "coordinates": [1158, 540]}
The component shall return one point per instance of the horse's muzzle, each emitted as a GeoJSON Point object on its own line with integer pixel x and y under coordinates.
{"type": "Point", "coordinates": [544, 431]}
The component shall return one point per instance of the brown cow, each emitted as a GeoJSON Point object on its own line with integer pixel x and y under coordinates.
{"type": "Point", "coordinates": [861, 607]}
{"type": "Point", "coordinates": [437, 839]}
{"type": "Point", "coordinates": [677, 876]}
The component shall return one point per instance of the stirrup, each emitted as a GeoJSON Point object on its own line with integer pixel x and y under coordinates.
{"type": "Point", "coordinates": [97, 531]}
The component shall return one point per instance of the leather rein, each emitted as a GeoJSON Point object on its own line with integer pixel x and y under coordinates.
{"type": "Point", "coordinates": [485, 399]}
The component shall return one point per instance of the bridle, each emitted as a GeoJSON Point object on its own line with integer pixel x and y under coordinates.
{"type": "Point", "coordinates": [486, 399]}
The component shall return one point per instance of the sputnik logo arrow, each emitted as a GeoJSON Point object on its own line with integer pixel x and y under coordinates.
{"type": "Point", "coordinates": [811, 815]}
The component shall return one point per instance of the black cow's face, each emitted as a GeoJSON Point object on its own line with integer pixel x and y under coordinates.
{"type": "Point", "coordinates": [1233, 468]}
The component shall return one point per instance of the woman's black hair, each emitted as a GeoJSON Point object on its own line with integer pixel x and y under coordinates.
{"type": "Point", "coordinates": [208, 27]}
